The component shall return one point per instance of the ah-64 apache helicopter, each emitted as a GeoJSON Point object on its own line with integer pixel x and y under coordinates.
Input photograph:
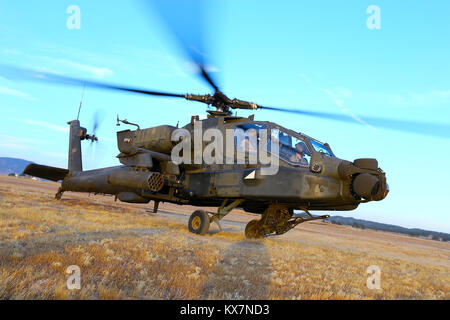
{"type": "Point", "coordinates": [309, 176]}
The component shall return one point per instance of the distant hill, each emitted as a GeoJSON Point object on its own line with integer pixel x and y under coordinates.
{"type": "Point", "coordinates": [12, 165]}
{"type": "Point", "coordinates": [364, 224]}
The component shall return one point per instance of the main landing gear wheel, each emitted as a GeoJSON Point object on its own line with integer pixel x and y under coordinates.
{"type": "Point", "coordinates": [253, 230]}
{"type": "Point", "coordinates": [199, 222]}
{"type": "Point", "coordinates": [276, 219]}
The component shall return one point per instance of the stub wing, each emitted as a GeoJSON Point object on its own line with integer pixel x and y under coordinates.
{"type": "Point", "coordinates": [46, 172]}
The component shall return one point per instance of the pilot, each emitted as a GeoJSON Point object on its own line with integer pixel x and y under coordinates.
{"type": "Point", "coordinates": [299, 156]}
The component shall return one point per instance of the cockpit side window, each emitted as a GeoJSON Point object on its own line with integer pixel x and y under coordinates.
{"type": "Point", "coordinates": [247, 137]}
{"type": "Point", "coordinates": [291, 149]}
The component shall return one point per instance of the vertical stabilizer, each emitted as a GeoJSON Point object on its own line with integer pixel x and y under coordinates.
{"type": "Point", "coordinates": [76, 132]}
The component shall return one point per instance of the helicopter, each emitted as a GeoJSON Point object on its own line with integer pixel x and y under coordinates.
{"type": "Point", "coordinates": [318, 180]}
{"type": "Point", "coordinates": [308, 176]}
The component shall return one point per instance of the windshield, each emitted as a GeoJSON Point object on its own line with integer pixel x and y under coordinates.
{"type": "Point", "coordinates": [321, 148]}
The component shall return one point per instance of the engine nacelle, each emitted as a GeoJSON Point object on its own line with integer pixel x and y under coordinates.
{"type": "Point", "coordinates": [157, 139]}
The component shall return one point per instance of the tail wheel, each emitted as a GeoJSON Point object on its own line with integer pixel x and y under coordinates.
{"type": "Point", "coordinates": [199, 222]}
{"type": "Point", "coordinates": [59, 194]}
{"type": "Point", "coordinates": [253, 230]}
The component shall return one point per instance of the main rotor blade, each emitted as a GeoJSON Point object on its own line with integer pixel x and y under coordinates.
{"type": "Point", "coordinates": [185, 20]}
{"type": "Point", "coordinates": [433, 129]}
{"type": "Point", "coordinates": [38, 76]}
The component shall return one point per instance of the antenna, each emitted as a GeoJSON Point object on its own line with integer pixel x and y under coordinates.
{"type": "Point", "coordinates": [125, 121]}
{"type": "Point", "coordinates": [81, 101]}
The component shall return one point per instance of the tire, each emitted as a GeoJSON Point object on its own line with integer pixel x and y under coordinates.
{"type": "Point", "coordinates": [199, 222]}
{"type": "Point", "coordinates": [252, 230]}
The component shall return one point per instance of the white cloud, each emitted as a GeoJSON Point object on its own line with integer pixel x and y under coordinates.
{"type": "Point", "coordinates": [211, 68]}
{"type": "Point", "coordinates": [12, 145]}
{"type": "Point", "coordinates": [11, 51]}
{"type": "Point", "coordinates": [441, 93]}
{"type": "Point", "coordinates": [47, 125]}
{"type": "Point", "coordinates": [305, 77]}
{"type": "Point", "coordinates": [15, 93]}
{"type": "Point", "coordinates": [30, 145]}
{"type": "Point", "coordinates": [426, 99]}
{"type": "Point", "coordinates": [16, 143]}
{"type": "Point", "coordinates": [99, 72]}
{"type": "Point", "coordinates": [338, 95]}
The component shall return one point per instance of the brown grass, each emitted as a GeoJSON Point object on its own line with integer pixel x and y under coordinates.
{"type": "Point", "coordinates": [125, 253]}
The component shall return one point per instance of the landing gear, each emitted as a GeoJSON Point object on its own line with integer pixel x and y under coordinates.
{"type": "Point", "coordinates": [199, 222]}
{"type": "Point", "coordinates": [253, 230]}
{"type": "Point", "coordinates": [155, 206]}
{"type": "Point", "coordinates": [276, 220]}
{"type": "Point", "coordinates": [223, 210]}
{"type": "Point", "coordinates": [59, 194]}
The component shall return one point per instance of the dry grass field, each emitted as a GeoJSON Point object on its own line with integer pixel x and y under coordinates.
{"type": "Point", "coordinates": [127, 252]}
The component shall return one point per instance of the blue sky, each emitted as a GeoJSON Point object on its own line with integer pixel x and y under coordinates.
{"type": "Point", "coordinates": [316, 55]}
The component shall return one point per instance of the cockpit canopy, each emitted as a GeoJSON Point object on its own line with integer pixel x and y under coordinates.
{"type": "Point", "coordinates": [296, 149]}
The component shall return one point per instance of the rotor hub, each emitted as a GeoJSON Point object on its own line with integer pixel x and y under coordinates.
{"type": "Point", "coordinates": [221, 102]}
